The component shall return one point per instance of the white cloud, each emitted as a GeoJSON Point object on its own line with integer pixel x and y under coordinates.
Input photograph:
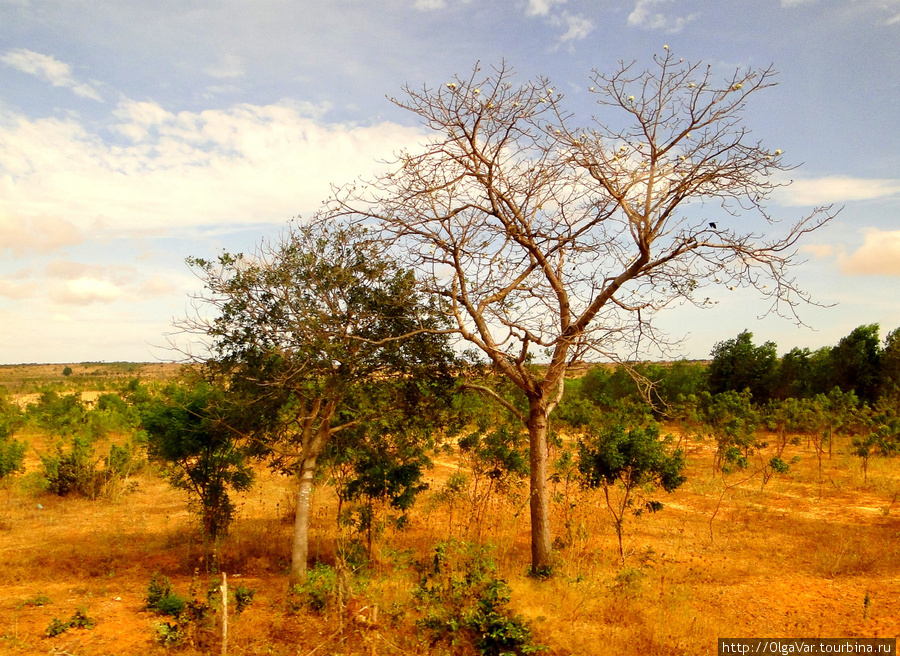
{"type": "Point", "coordinates": [245, 164]}
{"type": "Point", "coordinates": [541, 7]}
{"type": "Point", "coordinates": [231, 66]}
{"type": "Point", "coordinates": [577, 27]}
{"type": "Point", "coordinates": [878, 256]}
{"type": "Point", "coordinates": [16, 290]}
{"type": "Point", "coordinates": [644, 16]}
{"type": "Point", "coordinates": [836, 189]}
{"type": "Point", "coordinates": [84, 291]}
{"type": "Point", "coordinates": [429, 5]}
{"type": "Point", "coordinates": [819, 251]}
{"type": "Point", "coordinates": [41, 234]}
{"type": "Point", "coordinates": [49, 69]}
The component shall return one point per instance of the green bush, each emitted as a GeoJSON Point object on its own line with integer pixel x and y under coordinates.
{"type": "Point", "coordinates": [76, 471]}
{"type": "Point", "coordinates": [12, 456]}
{"type": "Point", "coordinates": [71, 471]}
{"type": "Point", "coordinates": [460, 597]}
{"type": "Point", "coordinates": [79, 620]}
{"type": "Point", "coordinates": [243, 597]}
{"type": "Point", "coordinates": [319, 590]}
{"type": "Point", "coordinates": [162, 598]}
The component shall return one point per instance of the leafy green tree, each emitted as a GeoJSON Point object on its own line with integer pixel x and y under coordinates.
{"type": "Point", "coordinates": [631, 462]}
{"type": "Point", "coordinates": [12, 456]}
{"type": "Point", "coordinates": [12, 452]}
{"type": "Point", "coordinates": [856, 362]}
{"type": "Point", "coordinates": [890, 363]}
{"type": "Point", "coordinates": [306, 330]}
{"type": "Point", "coordinates": [191, 430]}
{"type": "Point", "coordinates": [378, 463]}
{"type": "Point", "coordinates": [794, 375]}
{"type": "Point", "coordinates": [63, 415]}
{"type": "Point", "coordinates": [883, 434]}
{"type": "Point", "coordinates": [737, 364]}
{"type": "Point", "coordinates": [733, 421]}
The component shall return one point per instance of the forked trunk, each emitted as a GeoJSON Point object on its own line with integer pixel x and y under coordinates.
{"type": "Point", "coordinates": [541, 542]}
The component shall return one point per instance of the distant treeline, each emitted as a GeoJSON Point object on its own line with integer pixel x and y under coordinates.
{"type": "Point", "coordinates": [860, 363]}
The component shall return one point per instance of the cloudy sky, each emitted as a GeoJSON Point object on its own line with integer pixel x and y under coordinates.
{"type": "Point", "coordinates": [135, 134]}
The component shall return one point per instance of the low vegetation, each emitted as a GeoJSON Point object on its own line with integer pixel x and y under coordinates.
{"type": "Point", "coordinates": [778, 518]}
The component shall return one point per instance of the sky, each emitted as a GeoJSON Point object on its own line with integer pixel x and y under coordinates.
{"type": "Point", "coordinates": [136, 134]}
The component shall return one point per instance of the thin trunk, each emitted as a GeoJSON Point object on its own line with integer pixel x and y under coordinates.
{"type": "Point", "coordinates": [314, 442]}
{"type": "Point", "coordinates": [300, 547]}
{"type": "Point", "coordinates": [541, 541]}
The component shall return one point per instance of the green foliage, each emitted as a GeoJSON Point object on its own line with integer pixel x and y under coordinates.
{"type": "Point", "coordinates": [190, 429]}
{"type": "Point", "coordinates": [633, 458]}
{"type": "Point", "coordinates": [636, 389]}
{"type": "Point", "coordinates": [40, 599]}
{"type": "Point", "coordinates": [67, 371]}
{"type": "Point", "coordinates": [461, 600]}
{"type": "Point", "coordinates": [56, 627]}
{"type": "Point", "coordinates": [62, 415]}
{"type": "Point", "coordinates": [628, 465]}
{"type": "Point", "coordinates": [320, 589]}
{"type": "Point", "coordinates": [76, 471]}
{"type": "Point", "coordinates": [856, 362]}
{"type": "Point", "coordinates": [319, 332]}
{"type": "Point", "coordinates": [890, 363]}
{"type": "Point", "coordinates": [739, 365]}
{"type": "Point", "coordinates": [190, 613]}
{"type": "Point", "coordinates": [162, 599]}
{"type": "Point", "coordinates": [733, 420]}
{"type": "Point", "coordinates": [12, 456]}
{"type": "Point", "coordinates": [79, 620]}
{"type": "Point", "coordinates": [499, 453]}
{"type": "Point", "coordinates": [170, 634]}
{"type": "Point", "coordinates": [71, 471]}
{"type": "Point", "coordinates": [243, 597]}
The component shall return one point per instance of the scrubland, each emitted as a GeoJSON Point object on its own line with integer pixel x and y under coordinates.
{"type": "Point", "coordinates": [811, 553]}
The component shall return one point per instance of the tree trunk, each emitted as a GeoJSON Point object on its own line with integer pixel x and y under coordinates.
{"type": "Point", "coordinates": [314, 441]}
{"type": "Point", "coordinates": [300, 547]}
{"type": "Point", "coordinates": [541, 542]}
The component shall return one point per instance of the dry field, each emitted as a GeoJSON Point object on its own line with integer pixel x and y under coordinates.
{"type": "Point", "coordinates": [806, 555]}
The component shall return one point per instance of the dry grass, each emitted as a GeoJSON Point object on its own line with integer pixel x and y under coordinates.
{"type": "Point", "coordinates": [795, 558]}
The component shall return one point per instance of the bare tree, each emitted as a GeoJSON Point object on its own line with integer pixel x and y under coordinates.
{"type": "Point", "coordinates": [544, 238]}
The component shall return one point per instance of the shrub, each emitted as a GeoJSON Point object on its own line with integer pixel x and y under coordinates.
{"type": "Point", "coordinates": [71, 471]}
{"type": "Point", "coordinates": [191, 613]}
{"type": "Point", "coordinates": [76, 470]}
{"type": "Point", "coordinates": [460, 596]}
{"type": "Point", "coordinates": [79, 620]}
{"type": "Point", "coordinates": [628, 465]}
{"type": "Point", "coordinates": [12, 456]}
{"type": "Point", "coordinates": [319, 590]}
{"type": "Point", "coordinates": [243, 597]}
{"type": "Point", "coordinates": [162, 598]}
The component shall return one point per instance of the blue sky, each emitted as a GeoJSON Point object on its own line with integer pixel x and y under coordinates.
{"type": "Point", "coordinates": [135, 134]}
